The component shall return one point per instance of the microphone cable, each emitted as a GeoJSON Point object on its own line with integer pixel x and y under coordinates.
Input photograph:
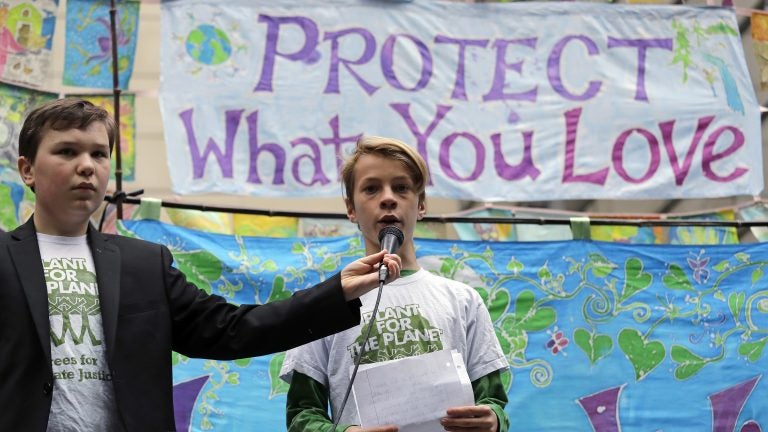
{"type": "Point", "coordinates": [360, 356]}
{"type": "Point", "coordinates": [390, 238]}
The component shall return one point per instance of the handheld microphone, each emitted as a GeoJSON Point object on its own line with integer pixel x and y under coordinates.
{"type": "Point", "coordinates": [390, 238]}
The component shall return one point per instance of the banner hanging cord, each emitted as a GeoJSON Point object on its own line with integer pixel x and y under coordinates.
{"type": "Point", "coordinates": [565, 220]}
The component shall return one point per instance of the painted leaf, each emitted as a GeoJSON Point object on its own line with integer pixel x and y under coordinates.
{"type": "Point", "coordinates": [676, 279]}
{"type": "Point", "coordinates": [636, 279]}
{"type": "Point", "coordinates": [277, 386]}
{"type": "Point", "coordinates": [243, 362]}
{"type": "Point", "coordinates": [206, 264]}
{"type": "Point", "coordinates": [447, 266]}
{"type": "Point", "coordinates": [753, 350]}
{"type": "Point", "coordinates": [544, 273]}
{"type": "Point", "coordinates": [499, 303]}
{"type": "Point", "coordinates": [200, 267]}
{"type": "Point", "coordinates": [595, 346]}
{"type": "Point", "coordinates": [600, 266]}
{"type": "Point", "coordinates": [690, 363]}
{"type": "Point", "coordinates": [539, 320]}
{"type": "Point", "coordinates": [329, 264]}
{"type": "Point", "coordinates": [524, 303]}
{"type": "Point", "coordinates": [506, 380]}
{"type": "Point", "coordinates": [515, 266]}
{"type": "Point", "coordinates": [721, 29]}
{"type": "Point", "coordinates": [278, 291]}
{"type": "Point", "coordinates": [269, 266]}
{"type": "Point", "coordinates": [518, 342]}
{"type": "Point", "coordinates": [506, 345]}
{"type": "Point", "coordinates": [177, 358]}
{"type": "Point", "coordinates": [644, 355]}
{"type": "Point", "coordinates": [529, 318]}
{"type": "Point", "coordinates": [722, 266]}
{"type": "Point", "coordinates": [233, 378]}
{"type": "Point", "coordinates": [735, 303]}
{"type": "Point", "coordinates": [483, 294]}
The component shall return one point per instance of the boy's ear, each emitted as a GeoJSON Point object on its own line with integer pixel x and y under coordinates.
{"type": "Point", "coordinates": [422, 210]}
{"type": "Point", "coordinates": [351, 214]}
{"type": "Point", "coordinates": [25, 171]}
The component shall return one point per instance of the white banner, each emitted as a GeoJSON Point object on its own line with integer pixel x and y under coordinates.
{"type": "Point", "coordinates": [518, 102]}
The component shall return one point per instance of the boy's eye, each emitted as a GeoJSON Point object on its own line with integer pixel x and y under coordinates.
{"type": "Point", "coordinates": [402, 188]}
{"type": "Point", "coordinates": [66, 151]}
{"type": "Point", "coordinates": [370, 189]}
{"type": "Point", "coordinates": [100, 154]}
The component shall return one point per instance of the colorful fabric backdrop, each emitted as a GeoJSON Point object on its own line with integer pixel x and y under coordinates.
{"type": "Point", "coordinates": [15, 103]}
{"type": "Point", "coordinates": [600, 336]}
{"type": "Point", "coordinates": [26, 38]}
{"type": "Point", "coordinates": [576, 100]}
{"type": "Point", "coordinates": [88, 55]}
{"type": "Point", "coordinates": [127, 130]}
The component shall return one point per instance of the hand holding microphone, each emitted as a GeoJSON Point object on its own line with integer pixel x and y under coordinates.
{"type": "Point", "coordinates": [359, 276]}
{"type": "Point", "coordinates": [390, 238]}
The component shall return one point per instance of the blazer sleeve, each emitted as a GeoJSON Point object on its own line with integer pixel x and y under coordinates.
{"type": "Point", "coordinates": [208, 326]}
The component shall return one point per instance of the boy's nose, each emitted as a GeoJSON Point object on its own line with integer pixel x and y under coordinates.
{"type": "Point", "coordinates": [388, 204]}
{"type": "Point", "coordinates": [85, 165]}
{"type": "Point", "coordinates": [388, 200]}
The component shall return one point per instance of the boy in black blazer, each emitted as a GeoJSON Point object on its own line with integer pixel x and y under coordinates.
{"type": "Point", "coordinates": [88, 320]}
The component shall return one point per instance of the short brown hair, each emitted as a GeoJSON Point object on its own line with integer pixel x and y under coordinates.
{"type": "Point", "coordinates": [388, 148]}
{"type": "Point", "coordinates": [61, 114]}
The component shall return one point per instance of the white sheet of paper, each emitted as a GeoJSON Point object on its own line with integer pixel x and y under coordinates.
{"type": "Point", "coordinates": [412, 393]}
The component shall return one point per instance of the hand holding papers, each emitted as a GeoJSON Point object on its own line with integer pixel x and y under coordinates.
{"type": "Point", "coordinates": [412, 393]}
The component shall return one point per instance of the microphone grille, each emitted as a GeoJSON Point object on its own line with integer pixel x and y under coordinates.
{"type": "Point", "coordinates": [391, 229]}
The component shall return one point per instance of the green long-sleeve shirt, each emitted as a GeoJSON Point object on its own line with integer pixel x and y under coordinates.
{"type": "Point", "coordinates": [307, 404]}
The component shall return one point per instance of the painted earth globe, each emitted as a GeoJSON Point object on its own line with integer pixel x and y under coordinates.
{"type": "Point", "coordinates": [208, 45]}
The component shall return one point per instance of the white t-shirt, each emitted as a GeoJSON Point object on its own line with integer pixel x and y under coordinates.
{"type": "Point", "coordinates": [418, 314]}
{"type": "Point", "coordinates": [83, 395]}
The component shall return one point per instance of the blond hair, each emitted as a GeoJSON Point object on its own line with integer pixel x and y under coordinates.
{"type": "Point", "coordinates": [388, 148]}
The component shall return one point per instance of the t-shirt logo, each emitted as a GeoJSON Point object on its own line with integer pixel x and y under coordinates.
{"type": "Point", "coordinates": [398, 332]}
{"type": "Point", "coordinates": [72, 300]}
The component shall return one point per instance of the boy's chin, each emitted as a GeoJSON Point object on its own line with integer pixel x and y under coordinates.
{"type": "Point", "coordinates": [87, 208]}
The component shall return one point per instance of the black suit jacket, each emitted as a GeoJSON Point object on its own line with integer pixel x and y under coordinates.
{"type": "Point", "coordinates": [148, 309]}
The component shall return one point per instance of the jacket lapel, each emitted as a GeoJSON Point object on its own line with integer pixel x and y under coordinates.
{"type": "Point", "coordinates": [106, 258]}
{"type": "Point", "coordinates": [25, 255]}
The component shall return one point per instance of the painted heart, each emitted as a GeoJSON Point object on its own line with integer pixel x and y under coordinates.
{"type": "Point", "coordinates": [636, 279]}
{"type": "Point", "coordinates": [595, 345]}
{"type": "Point", "coordinates": [499, 302]}
{"type": "Point", "coordinates": [278, 292]}
{"type": "Point", "coordinates": [644, 355]}
{"type": "Point", "coordinates": [529, 317]}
